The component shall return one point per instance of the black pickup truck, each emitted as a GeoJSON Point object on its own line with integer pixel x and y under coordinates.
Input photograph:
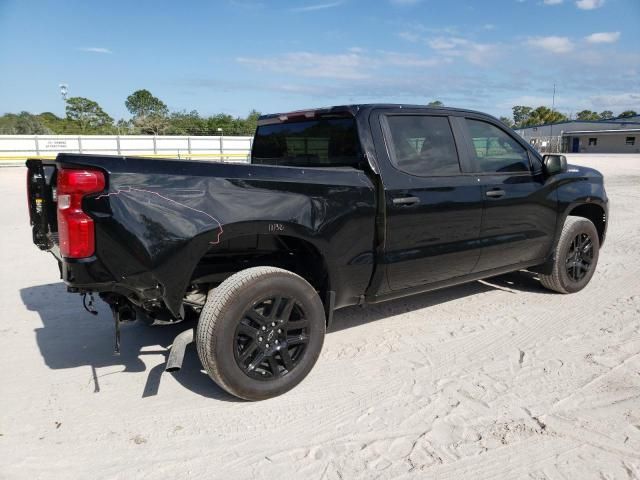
{"type": "Point", "coordinates": [339, 206]}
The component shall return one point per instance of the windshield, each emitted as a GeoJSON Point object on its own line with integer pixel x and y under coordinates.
{"type": "Point", "coordinates": [325, 142]}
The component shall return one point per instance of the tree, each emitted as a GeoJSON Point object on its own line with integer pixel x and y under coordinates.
{"type": "Point", "coordinates": [87, 115]}
{"type": "Point", "coordinates": [153, 124]}
{"type": "Point", "coordinates": [507, 121]}
{"type": "Point", "coordinates": [28, 124]}
{"type": "Point", "coordinates": [124, 127]}
{"type": "Point", "coordinates": [149, 112]}
{"type": "Point", "coordinates": [22, 124]}
{"type": "Point", "coordinates": [251, 123]}
{"type": "Point", "coordinates": [186, 123]}
{"type": "Point", "coordinates": [435, 103]}
{"type": "Point", "coordinates": [587, 115]}
{"type": "Point", "coordinates": [544, 116]}
{"type": "Point", "coordinates": [605, 115]}
{"type": "Point", "coordinates": [227, 124]}
{"type": "Point", "coordinates": [52, 122]}
{"type": "Point", "coordinates": [521, 115]}
{"type": "Point", "coordinates": [628, 113]}
{"type": "Point", "coordinates": [142, 104]}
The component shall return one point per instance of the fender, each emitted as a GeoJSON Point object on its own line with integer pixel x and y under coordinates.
{"type": "Point", "coordinates": [578, 187]}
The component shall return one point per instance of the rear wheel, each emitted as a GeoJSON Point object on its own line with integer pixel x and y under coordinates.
{"type": "Point", "coordinates": [576, 257]}
{"type": "Point", "coordinates": [260, 332]}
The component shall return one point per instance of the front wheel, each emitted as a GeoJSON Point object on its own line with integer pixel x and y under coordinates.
{"type": "Point", "coordinates": [260, 332]}
{"type": "Point", "coordinates": [576, 257]}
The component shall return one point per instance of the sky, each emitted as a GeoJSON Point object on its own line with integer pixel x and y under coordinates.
{"type": "Point", "coordinates": [232, 56]}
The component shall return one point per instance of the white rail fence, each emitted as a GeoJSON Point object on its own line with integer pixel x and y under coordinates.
{"type": "Point", "coordinates": [14, 148]}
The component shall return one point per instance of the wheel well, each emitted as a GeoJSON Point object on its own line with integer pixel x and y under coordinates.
{"type": "Point", "coordinates": [592, 212]}
{"type": "Point", "coordinates": [235, 254]}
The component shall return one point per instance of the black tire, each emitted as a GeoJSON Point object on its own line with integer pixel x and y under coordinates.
{"type": "Point", "coordinates": [232, 321]}
{"type": "Point", "coordinates": [572, 271]}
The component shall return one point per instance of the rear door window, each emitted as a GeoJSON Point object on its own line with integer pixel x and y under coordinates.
{"type": "Point", "coordinates": [421, 144]}
{"type": "Point", "coordinates": [495, 150]}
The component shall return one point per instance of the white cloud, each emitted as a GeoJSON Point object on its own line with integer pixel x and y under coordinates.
{"type": "Point", "coordinates": [248, 4]}
{"type": "Point", "coordinates": [408, 60]}
{"type": "Point", "coordinates": [552, 44]}
{"type": "Point", "coordinates": [354, 65]}
{"type": "Point", "coordinates": [589, 4]}
{"type": "Point", "coordinates": [529, 100]}
{"type": "Point", "coordinates": [409, 36]}
{"type": "Point", "coordinates": [603, 37]}
{"type": "Point", "coordinates": [317, 6]}
{"type": "Point", "coordinates": [421, 29]}
{"type": "Point", "coordinates": [552, 2]}
{"type": "Point", "coordinates": [474, 52]}
{"type": "Point", "coordinates": [345, 66]}
{"type": "Point", "coordinates": [617, 101]}
{"type": "Point", "coordinates": [95, 50]}
{"type": "Point", "coordinates": [446, 43]}
{"type": "Point", "coordinates": [481, 53]}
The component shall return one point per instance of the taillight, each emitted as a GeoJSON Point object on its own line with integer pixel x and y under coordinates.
{"type": "Point", "coordinates": [75, 228]}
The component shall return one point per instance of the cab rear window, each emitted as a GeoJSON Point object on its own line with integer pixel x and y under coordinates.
{"type": "Point", "coordinates": [323, 142]}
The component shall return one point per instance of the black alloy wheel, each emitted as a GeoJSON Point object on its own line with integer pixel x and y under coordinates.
{"type": "Point", "coordinates": [271, 338]}
{"type": "Point", "coordinates": [579, 257]}
{"type": "Point", "coordinates": [260, 332]}
{"type": "Point", "coordinates": [575, 256]}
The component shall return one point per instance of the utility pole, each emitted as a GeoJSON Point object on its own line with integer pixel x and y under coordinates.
{"type": "Point", "coordinates": [553, 106]}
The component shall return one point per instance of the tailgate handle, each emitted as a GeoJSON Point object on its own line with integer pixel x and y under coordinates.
{"type": "Point", "coordinates": [406, 201]}
{"type": "Point", "coordinates": [497, 193]}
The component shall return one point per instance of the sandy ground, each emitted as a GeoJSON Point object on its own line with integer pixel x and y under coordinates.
{"type": "Point", "coordinates": [495, 379]}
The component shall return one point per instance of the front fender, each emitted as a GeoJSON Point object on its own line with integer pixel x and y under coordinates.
{"type": "Point", "coordinates": [579, 186]}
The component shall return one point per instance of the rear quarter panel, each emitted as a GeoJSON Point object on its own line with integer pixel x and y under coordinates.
{"type": "Point", "coordinates": [159, 217]}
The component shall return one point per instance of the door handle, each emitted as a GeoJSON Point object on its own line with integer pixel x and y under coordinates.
{"type": "Point", "coordinates": [406, 201]}
{"type": "Point", "coordinates": [497, 193]}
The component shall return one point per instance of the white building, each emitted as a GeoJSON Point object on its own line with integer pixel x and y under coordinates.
{"type": "Point", "coordinates": [616, 135]}
{"type": "Point", "coordinates": [602, 141]}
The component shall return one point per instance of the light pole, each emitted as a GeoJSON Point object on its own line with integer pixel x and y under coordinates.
{"type": "Point", "coordinates": [64, 90]}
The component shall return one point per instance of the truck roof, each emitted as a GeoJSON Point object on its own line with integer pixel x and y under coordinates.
{"type": "Point", "coordinates": [350, 110]}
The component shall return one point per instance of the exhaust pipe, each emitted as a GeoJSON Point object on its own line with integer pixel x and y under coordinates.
{"type": "Point", "coordinates": [176, 355]}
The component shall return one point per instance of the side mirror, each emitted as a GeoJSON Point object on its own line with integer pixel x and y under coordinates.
{"type": "Point", "coordinates": [554, 164]}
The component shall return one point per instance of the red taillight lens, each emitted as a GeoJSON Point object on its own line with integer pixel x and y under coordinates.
{"type": "Point", "coordinates": [76, 231]}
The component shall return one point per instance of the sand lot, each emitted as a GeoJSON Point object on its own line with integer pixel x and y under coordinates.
{"type": "Point", "coordinates": [494, 379]}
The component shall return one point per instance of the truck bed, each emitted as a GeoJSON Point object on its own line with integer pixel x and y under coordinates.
{"type": "Point", "coordinates": [157, 218]}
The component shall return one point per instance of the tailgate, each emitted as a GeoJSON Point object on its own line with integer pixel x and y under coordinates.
{"type": "Point", "coordinates": [41, 198]}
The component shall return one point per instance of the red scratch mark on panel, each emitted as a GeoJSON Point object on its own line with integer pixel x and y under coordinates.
{"type": "Point", "coordinates": [132, 189]}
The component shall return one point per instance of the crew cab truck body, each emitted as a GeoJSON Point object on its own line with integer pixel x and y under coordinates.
{"type": "Point", "coordinates": [339, 206]}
